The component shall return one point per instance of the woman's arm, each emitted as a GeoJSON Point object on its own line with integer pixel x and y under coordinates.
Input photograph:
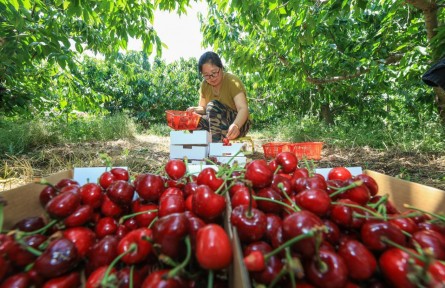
{"type": "Point", "coordinates": [200, 109]}
{"type": "Point", "coordinates": [242, 116]}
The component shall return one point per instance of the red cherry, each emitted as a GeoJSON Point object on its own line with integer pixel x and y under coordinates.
{"type": "Point", "coordinates": [288, 161]}
{"type": "Point", "coordinates": [91, 194]}
{"type": "Point", "coordinates": [250, 223]}
{"type": "Point", "coordinates": [106, 226]}
{"type": "Point", "coordinates": [82, 237]}
{"type": "Point", "coordinates": [430, 240]}
{"type": "Point", "coordinates": [269, 206]}
{"type": "Point", "coordinates": [120, 173]}
{"type": "Point", "coordinates": [299, 223]}
{"type": "Point", "coordinates": [175, 169]}
{"type": "Point", "coordinates": [207, 204]}
{"type": "Point", "coordinates": [149, 186]}
{"type": "Point", "coordinates": [258, 173]}
{"type": "Point", "coordinates": [242, 197]}
{"type": "Point", "coordinates": [315, 200]}
{"type": "Point", "coordinates": [106, 178]}
{"type": "Point", "coordinates": [63, 205]}
{"type": "Point", "coordinates": [374, 233]}
{"type": "Point", "coordinates": [339, 173]}
{"type": "Point", "coordinates": [369, 182]}
{"type": "Point", "coordinates": [121, 192]}
{"type": "Point", "coordinates": [333, 274]}
{"type": "Point", "coordinates": [208, 177]}
{"type": "Point", "coordinates": [360, 261]}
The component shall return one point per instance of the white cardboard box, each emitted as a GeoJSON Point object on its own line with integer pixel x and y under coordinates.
{"type": "Point", "coordinates": [197, 137]}
{"type": "Point", "coordinates": [241, 160]}
{"type": "Point", "coordinates": [197, 168]}
{"type": "Point", "coordinates": [325, 171]}
{"type": "Point", "coordinates": [219, 149]}
{"type": "Point", "coordinates": [192, 152]}
{"type": "Point", "coordinates": [85, 175]}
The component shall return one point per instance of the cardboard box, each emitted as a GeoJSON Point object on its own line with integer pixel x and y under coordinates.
{"type": "Point", "coordinates": [193, 152]}
{"type": "Point", "coordinates": [241, 160]}
{"type": "Point", "coordinates": [24, 202]}
{"type": "Point", "coordinates": [400, 192]}
{"type": "Point", "coordinates": [219, 149]}
{"type": "Point", "coordinates": [197, 137]}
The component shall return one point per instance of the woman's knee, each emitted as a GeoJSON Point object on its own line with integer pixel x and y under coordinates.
{"type": "Point", "coordinates": [212, 106]}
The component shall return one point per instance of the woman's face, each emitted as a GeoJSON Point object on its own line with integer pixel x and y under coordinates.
{"type": "Point", "coordinates": [212, 74]}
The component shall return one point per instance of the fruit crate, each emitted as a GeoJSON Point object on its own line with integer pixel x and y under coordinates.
{"type": "Point", "coordinates": [272, 149]}
{"type": "Point", "coordinates": [307, 150]}
{"type": "Point", "coordinates": [182, 120]}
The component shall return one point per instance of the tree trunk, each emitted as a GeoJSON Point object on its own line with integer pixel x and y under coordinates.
{"type": "Point", "coordinates": [430, 12]}
{"type": "Point", "coordinates": [326, 114]}
{"type": "Point", "coordinates": [440, 101]}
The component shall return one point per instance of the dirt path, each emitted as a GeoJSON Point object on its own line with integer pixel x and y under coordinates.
{"type": "Point", "coordinates": [147, 153]}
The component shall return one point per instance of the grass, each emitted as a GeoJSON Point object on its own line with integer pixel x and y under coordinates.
{"type": "Point", "coordinates": [20, 136]}
{"type": "Point", "coordinates": [425, 137]}
{"type": "Point", "coordinates": [37, 147]}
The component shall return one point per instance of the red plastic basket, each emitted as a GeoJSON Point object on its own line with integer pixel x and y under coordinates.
{"type": "Point", "coordinates": [182, 120]}
{"type": "Point", "coordinates": [272, 149]}
{"type": "Point", "coordinates": [308, 150]}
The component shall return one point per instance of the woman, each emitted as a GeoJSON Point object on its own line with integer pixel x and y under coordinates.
{"type": "Point", "coordinates": [222, 101]}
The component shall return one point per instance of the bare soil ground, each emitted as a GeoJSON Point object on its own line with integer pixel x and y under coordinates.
{"type": "Point", "coordinates": [148, 153]}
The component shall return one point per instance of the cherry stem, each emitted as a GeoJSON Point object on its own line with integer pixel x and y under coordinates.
{"type": "Point", "coordinates": [275, 201]}
{"type": "Point", "coordinates": [131, 284]}
{"type": "Point", "coordinates": [184, 263]}
{"type": "Point", "coordinates": [250, 200]}
{"type": "Point", "coordinates": [167, 260]}
{"type": "Point", "coordinates": [378, 216]}
{"type": "Point", "coordinates": [45, 182]}
{"type": "Point", "coordinates": [233, 157]}
{"type": "Point", "coordinates": [343, 189]}
{"type": "Point", "coordinates": [153, 222]}
{"type": "Point", "coordinates": [123, 218]}
{"type": "Point", "coordinates": [290, 266]}
{"type": "Point", "coordinates": [28, 248]}
{"type": "Point", "coordinates": [381, 201]}
{"type": "Point", "coordinates": [290, 242]}
{"type": "Point", "coordinates": [133, 247]}
{"type": "Point", "coordinates": [293, 204]}
{"type": "Point", "coordinates": [210, 279]}
{"type": "Point", "coordinates": [1, 216]}
{"type": "Point", "coordinates": [278, 277]}
{"type": "Point", "coordinates": [437, 216]}
{"type": "Point", "coordinates": [276, 170]}
{"type": "Point", "coordinates": [403, 248]}
{"type": "Point", "coordinates": [39, 231]}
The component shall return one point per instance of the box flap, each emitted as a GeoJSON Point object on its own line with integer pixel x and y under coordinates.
{"type": "Point", "coordinates": [24, 201]}
{"type": "Point", "coordinates": [405, 192]}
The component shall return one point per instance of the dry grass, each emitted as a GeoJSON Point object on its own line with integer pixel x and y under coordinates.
{"type": "Point", "coordinates": [147, 153]}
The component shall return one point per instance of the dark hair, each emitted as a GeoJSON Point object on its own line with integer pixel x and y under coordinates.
{"type": "Point", "coordinates": [209, 57]}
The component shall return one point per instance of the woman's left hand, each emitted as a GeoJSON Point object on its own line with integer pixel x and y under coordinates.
{"type": "Point", "coordinates": [233, 132]}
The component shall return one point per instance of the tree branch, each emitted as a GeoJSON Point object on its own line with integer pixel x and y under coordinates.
{"type": "Point", "coordinates": [392, 59]}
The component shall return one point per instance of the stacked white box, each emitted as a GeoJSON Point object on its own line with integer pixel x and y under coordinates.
{"type": "Point", "coordinates": [228, 154]}
{"type": "Point", "coordinates": [194, 145]}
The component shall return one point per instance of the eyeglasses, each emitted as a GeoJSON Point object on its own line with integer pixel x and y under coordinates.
{"type": "Point", "coordinates": [211, 76]}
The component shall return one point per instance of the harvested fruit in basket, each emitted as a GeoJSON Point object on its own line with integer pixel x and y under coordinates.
{"type": "Point", "coordinates": [182, 120]}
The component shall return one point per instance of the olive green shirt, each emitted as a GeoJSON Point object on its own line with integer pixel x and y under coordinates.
{"type": "Point", "coordinates": [231, 86]}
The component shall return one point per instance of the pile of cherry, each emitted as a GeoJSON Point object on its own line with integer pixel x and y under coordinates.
{"type": "Point", "coordinates": [151, 231]}
{"type": "Point", "coordinates": [334, 232]}
{"type": "Point", "coordinates": [166, 229]}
